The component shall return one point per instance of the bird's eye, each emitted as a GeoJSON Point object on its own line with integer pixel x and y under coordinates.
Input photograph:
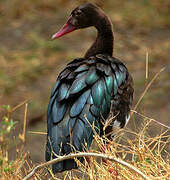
{"type": "Point", "coordinates": [79, 12]}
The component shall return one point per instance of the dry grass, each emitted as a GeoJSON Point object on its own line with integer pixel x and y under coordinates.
{"type": "Point", "coordinates": [147, 154]}
{"type": "Point", "coordinates": [139, 158]}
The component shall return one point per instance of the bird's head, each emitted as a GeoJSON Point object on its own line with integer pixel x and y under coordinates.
{"type": "Point", "coordinates": [83, 16]}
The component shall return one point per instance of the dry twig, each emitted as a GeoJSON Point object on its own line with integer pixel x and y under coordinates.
{"type": "Point", "coordinates": [84, 154]}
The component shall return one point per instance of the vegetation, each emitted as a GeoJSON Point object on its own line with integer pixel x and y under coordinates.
{"type": "Point", "coordinates": [29, 63]}
{"type": "Point", "coordinates": [148, 155]}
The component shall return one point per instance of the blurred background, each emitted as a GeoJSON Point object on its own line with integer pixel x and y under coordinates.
{"type": "Point", "coordinates": [30, 61]}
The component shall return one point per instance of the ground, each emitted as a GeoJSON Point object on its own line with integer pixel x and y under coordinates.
{"type": "Point", "coordinates": [30, 61]}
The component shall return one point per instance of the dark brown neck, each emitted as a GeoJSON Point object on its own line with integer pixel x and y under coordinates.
{"type": "Point", "coordinates": [104, 41]}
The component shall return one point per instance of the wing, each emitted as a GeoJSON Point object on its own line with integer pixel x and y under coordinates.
{"type": "Point", "coordinates": [85, 93]}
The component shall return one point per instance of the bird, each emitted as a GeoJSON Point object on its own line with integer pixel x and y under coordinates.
{"type": "Point", "coordinates": [87, 92]}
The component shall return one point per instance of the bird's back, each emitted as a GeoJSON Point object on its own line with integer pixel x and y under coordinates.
{"type": "Point", "coordinates": [87, 92]}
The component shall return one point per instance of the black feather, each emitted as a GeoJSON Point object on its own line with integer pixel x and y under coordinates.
{"type": "Point", "coordinates": [78, 105]}
{"type": "Point", "coordinates": [58, 111]}
{"type": "Point", "coordinates": [62, 92]}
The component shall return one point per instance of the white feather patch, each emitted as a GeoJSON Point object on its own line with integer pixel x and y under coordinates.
{"type": "Point", "coordinates": [127, 119]}
{"type": "Point", "coordinates": [116, 123]}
